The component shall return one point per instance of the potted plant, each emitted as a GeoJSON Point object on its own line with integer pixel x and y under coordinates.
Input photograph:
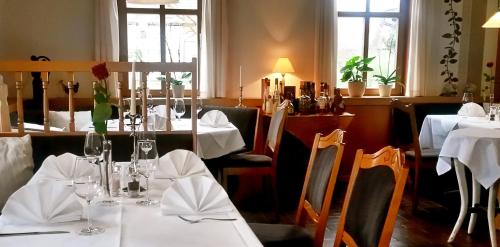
{"type": "Point", "coordinates": [178, 85]}
{"type": "Point", "coordinates": [386, 82]}
{"type": "Point", "coordinates": [352, 72]}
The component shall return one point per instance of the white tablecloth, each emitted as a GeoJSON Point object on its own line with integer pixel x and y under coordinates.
{"type": "Point", "coordinates": [132, 225]}
{"type": "Point", "coordinates": [476, 148]}
{"type": "Point", "coordinates": [435, 128]}
{"type": "Point", "coordinates": [212, 142]}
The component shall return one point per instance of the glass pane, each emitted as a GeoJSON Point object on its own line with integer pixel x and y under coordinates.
{"type": "Point", "coordinates": [181, 38]}
{"type": "Point", "coordinates": [352, 5]}
{"type": "Point", "coordinates": [384, 5]}
{"type": "Point", "coordinates": [182, 4]}
{"type": "Point", "coordinates": [383, 45]}
{"type": "Point", "coordinates": [143, 6]}
{"type": "Point", "coordinates": [143, 36]}
{"type": "Point", "coordinates": [351, 32]}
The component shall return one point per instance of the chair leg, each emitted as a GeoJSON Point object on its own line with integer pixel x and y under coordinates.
{"type": "Point", "coordinates": [274, 186]}
{"type": "Point", "coordinates": [416, 180]}
{"type": "Point", "coordinates": [224, 179]}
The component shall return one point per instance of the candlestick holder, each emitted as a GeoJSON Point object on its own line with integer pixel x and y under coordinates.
{"type": "Point", "coordinates": [240, 99]}
{"type": "Point", "coordinates": [133, 134]}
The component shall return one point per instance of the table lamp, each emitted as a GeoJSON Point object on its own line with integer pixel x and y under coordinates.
{"type": "Point", "coordinates": [283, 66]}
{"type": "Point", "coordinates": [494, 22]}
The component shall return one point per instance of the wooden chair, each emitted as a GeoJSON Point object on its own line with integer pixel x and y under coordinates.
{"type": "Point", "coordinates": [314, 204]}
{"type": "Point", "coordinates": [405, 136]}
{"type": "Point", "coordinates": [372, 200]}
{"type": "Point", "coordinates": [259, 164]}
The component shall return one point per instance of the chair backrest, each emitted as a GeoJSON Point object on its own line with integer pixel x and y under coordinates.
{"type": "Point", "coordinates": [245, 119]}
{"type": "Point", "coordinates": [373, 197]}
{"type": "Point", "coordinates": [276, 127]}
{"type": "Point", "coordinates": [319, 183]}
{"type": "Point", "coordinates": [404, 127]}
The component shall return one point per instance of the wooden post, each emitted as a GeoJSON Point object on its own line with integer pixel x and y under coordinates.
{"type": "Point", "coordinates": [194, 95]}
{"type": "Point", "coordinates": [45, 86]}
{"type": "Point", "coordinates": [120, 103]}
{"type": "Point", "coordinates": [144, 99]}
{"type": "Point", "coordinates": [20, 108]}
{"type": "Point", "coordinates": [71, 79]}
{"type": "Point", "coordinates": [167, 103]}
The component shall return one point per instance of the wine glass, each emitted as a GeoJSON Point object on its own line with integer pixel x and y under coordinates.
{"type": "Point", "coordinates": [179, 108]}
{"type": "Point", "coordinates": [87, 186]}
{"type": "Point", "coordinates": [199, 105]}
{"type": "Point", "coordinates": [93, 146]}
{"type": "Point", "coordinates": [467, 98]}
{"type": "Point", "coordinates": [146, 167]}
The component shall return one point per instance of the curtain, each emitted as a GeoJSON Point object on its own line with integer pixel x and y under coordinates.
{"type": "Point", "coordinates": [418, 48]}
{"type": "Point", "coordinates": [325, 50]}
{"type": "Point", "coordinates": [106, 36]}
{"type": "Point", "coordinates": [214, 48]}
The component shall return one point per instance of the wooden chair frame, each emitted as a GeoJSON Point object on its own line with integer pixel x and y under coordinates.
{"type": "Point", "coordinates": [262, 171]}
{"type": "Point", "coordinates": [387, 156]}
{"type": "Point", "coordinates": [305, 210]}
{"type": "Point", "coordinates": [409, 109]}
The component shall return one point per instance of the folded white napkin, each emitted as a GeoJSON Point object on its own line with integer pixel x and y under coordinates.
{"type": "Point", "coordinates": [41, 203]}
{"type": "Point", "coordinates": [215, 119]}
{"type": "Point", "coordinates": [193, 196]}
{"type": "Point", "coordinates": [161, 110]}
{"type": "Point", "coordinates": [61, 167]}
{"type": "Point", "coordinates": [179, 163]}
{"type": "Point", "coordinates": [471, 110]}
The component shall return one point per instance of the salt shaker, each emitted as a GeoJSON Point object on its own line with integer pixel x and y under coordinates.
{"type": "Point", "coordinates": [114, 182]}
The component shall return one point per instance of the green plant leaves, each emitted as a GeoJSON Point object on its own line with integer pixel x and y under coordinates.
{"type": "Point", "coordinates": [354, 67]}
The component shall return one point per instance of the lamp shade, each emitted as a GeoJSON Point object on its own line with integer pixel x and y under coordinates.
{"type": "Point", "coordinates": [283, 65]}
{"type": "Point", "coordinates": [493, 22]}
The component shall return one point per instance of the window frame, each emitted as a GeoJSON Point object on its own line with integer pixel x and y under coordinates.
{"type": "Point", "coordinates": [162, 12]}
{"type": "Point", "coordinates": [402, 44]}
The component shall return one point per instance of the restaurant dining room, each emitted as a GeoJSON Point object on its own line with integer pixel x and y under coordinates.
{"type": "Point", "coordinates": [275, 123]}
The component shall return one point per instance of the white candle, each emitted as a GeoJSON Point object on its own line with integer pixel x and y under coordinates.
{"type": "Point", "coordinates": [240, 75]}
{"type": "Point", "coordinates": [132, 91]}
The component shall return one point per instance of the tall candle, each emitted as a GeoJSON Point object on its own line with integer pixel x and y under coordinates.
{"type": "Point", "coordinates": [240, 75]}
{"type": "Point", "coordinates": [132, 91]}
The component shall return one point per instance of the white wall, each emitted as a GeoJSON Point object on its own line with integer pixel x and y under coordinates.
{"type": "Point", "coordinates": [261, 31]}
{"type": "Point", "coordinates": [59, 29]}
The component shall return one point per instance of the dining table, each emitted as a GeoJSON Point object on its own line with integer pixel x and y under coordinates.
{"type": "Point", "coordinates": [128, 224]}
{"type": "Point", "coordinates": [472, 142]}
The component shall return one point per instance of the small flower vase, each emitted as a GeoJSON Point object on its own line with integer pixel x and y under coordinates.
{"type": "Point", "coordinates": [178, 91]}
{"type": "Point", "coordinates": [105, 173]}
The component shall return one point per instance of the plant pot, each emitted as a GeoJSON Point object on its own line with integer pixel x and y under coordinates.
{"type": "Point", "coordinates": [356, 88]}
{"type": "Point", "coordinates": [384, 90]}
{"type": "Point", "coordinates": [178, 91]}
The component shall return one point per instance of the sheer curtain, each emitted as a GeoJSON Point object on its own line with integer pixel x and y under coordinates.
{"type": "Point", "coordinates": [419, 48]}
{"type": "Point", "coordinates": [325, 50]}
{"type": "Point", "coordinates": [106, 35]}
{"type": "Point", "coordinates": [214, 48]}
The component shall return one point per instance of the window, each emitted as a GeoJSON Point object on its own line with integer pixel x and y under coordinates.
{"type": "Point", "coordinates": [160, 33]}
{"type": "Point", "coordinates": [373, 28]}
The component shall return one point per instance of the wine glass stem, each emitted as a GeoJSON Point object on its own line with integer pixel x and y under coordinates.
{"type": "Point", "coordinates": [147, 188]}
{"type": "Point", "coordinates": [89, 215]}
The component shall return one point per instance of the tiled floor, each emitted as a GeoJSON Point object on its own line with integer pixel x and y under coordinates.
{"type": "Point", "coordinates": [430, 226]}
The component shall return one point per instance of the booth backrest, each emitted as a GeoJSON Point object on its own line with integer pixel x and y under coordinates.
{"type": "Point", "coordinates": [44, 146]}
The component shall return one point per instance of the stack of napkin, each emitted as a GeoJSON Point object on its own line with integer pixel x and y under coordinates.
{"type": "Point", "coordinates": [471, 110]}
{"type": "Point", "coordinates": [41, 203]}
{"type": "Point", "coordinates": [179, 163]}
{"type": "Point", "coordinates": [61, 168]}
{"type": "Point", "coordinates": [194, 196]}
{"type": "Point", "coordinates": [215, 119]}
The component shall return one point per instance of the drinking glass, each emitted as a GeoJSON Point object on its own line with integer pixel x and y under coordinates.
{"type": "Point", "coordinates": [146, 166]}
{"type": "Point", "coordinates": [87, 186]}
{"type": "Point", "coordinates": [93, 146]}
{"type": "Point", "coordinates": [467, 98]}
{"type": "Point", "coordinates": [179, 108]}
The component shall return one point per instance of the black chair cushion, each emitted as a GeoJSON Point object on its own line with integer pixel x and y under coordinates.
{"type": "Point", "coordinates": [245, 160]}
{"type": "Point", "coordinates": [369, 205]}
{"type": "Point", "coordinates": [320, 176]}
{"type": "Point", "coordinates": [277, 235]}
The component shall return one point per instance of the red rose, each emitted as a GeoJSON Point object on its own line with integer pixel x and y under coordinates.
{"type": "Point", "coordinates": [100, 71]}
{"type": "Point", "coordinates": [489, 64]}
